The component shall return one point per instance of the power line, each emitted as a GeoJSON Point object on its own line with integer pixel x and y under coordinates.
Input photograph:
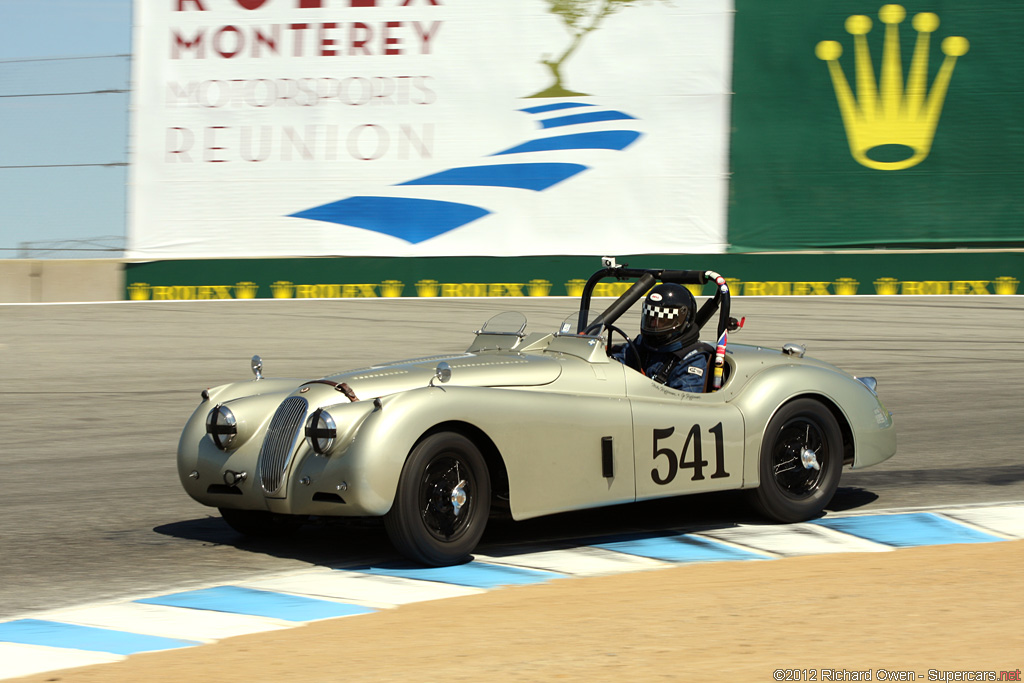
{"type": "Point", "coordinates": [108, 91]}
{"type": "Point", "coordinates": [60, 59]}
{"type": "Point", "coordinates": [115, 163]}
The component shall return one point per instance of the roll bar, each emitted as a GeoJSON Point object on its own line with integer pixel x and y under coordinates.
{"type": "Point", "coordinates": [645, 279]}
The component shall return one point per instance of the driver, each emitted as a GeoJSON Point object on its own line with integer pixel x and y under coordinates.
{"type": "Point", "coordinates": [668, 349]}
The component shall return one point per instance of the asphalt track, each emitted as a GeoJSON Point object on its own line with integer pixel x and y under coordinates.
{"type": "Point", "coordinates": [93, 397]}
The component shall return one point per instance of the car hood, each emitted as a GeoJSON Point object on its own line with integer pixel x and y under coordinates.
{"type": "Point", "coordinates": [467, 369]}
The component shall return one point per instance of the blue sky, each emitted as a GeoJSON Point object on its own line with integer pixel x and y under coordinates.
{"type": "Point", "coordinates": [73, 202]}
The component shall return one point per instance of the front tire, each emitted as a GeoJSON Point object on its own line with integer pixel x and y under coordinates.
{"type": "Point", "coordinates": [802, 434]}
{"type": "Point", "coordinates": [442, 503]}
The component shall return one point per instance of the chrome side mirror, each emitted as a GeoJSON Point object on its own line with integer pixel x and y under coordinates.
{"type": "Point", "coordinates": [443, 372]}
{"type": "Point", "coordinates": [792, 349]}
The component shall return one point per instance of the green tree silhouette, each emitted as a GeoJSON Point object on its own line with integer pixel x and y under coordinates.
{"type": "Point", "coordinates": [580, 18]}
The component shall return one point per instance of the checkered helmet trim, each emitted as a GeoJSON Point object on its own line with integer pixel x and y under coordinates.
{"type": "Point", "coordinates": [667, 312]}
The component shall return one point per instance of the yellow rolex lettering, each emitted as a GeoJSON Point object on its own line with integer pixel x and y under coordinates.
{"type": "Point", "coordinates": [930, 287]}
{"type": "Point", "coordinates": [754, 289]}
{"type": "Point", "coordinates": [451, 289]}
{"type": "Point", "coordinates": [978, 287]}
{"type": "Point", "coordinates": [801, 288]}
{"type": "Point", "coordinates": [610, 288]}
{"type": "Point", "coordinates": [821, 288]}
{"type": "Point", "coordinates": [511, 288]}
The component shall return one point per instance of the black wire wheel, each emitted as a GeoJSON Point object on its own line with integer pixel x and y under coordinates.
{"type": "Point", "coordinates": [801, 461]}
{"type": "Point", "coordinates": [261, 523]}
{"type": "Point", "coordinates": [442, 503]}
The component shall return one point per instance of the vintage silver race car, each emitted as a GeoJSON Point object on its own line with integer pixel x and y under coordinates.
{"type": "Point", "coordinates": [536, 423]}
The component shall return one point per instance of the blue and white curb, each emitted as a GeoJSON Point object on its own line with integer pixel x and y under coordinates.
{"type": "Point", "coordinates": [111, 632]}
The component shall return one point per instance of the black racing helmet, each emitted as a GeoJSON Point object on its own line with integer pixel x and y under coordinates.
{"type": "Point", "coordinates": [669, 311]}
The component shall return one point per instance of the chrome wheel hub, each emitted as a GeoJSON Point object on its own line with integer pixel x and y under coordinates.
{"type": "Point", "coordinates": [458, 496]}
{"type": "Point", "coordinates": [809, 459]}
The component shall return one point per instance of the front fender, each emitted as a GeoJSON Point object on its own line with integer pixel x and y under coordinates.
{"type": "Point", "coordinates": [370, 466]}
{"type": "Point", "coordinates": [871, 425]}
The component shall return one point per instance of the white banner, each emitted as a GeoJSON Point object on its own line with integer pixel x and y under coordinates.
{"type": "Point", "coordinates": [429, 127]}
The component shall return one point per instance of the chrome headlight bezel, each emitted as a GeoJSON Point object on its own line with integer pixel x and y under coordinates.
{"type": "Point", "coordinates": [222, 427]}
{"type": "Point", "coordinates": [321, 431]}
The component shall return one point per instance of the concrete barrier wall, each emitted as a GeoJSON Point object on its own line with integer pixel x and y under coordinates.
{"type": "Point", "coordinates": [25, 281]}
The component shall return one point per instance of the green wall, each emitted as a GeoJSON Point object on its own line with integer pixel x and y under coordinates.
{"type": "Point", "coordinates": [749, 275]}
{"type": "Point", "coordinates": [795, 182]}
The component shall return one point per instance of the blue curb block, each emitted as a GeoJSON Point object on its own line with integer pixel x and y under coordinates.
{"type": "Point", "coordinates": [472, 574]}
{"type": "Point", "coordinates": [238, 600]}
{"type": "Point", "coordinates": [908, 530]}
{"type": "Point", "coordinates": [92, 639]}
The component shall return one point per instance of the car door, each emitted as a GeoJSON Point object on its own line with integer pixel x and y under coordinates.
{"type": "Point", "coordinates": [683, 442]}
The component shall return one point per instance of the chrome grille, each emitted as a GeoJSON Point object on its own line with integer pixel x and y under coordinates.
{"type": "Point", "coordinates": [280, 443]}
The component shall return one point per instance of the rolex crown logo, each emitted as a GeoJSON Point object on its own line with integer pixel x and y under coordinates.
{"type": "Point", "coordinates": [283, 289]}
{"type": "Point", "coordinates": [887, 286]}
{"type": "Point", "coordinates": [846, 286]}
{"type": "Point", "coordinates": [1006, 285]}
{"type": "Point", "coordinates": [538, 287]}
{"type": "Point", "coordinates": [428, 288]}
{"type": "Point", "coordinates": [246, 290]}
{"type": "Point", "coordinates": [575, 287]}
{"type": "Point", "coordinates": [886, 113]}
{"type": "Point", "coordinates": [391, 288]}
{"type": "Point", "coordinates": [139, 291]}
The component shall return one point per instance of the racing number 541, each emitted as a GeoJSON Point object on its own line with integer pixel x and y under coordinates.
{"type": "Point", "coordinates": [676, 463]}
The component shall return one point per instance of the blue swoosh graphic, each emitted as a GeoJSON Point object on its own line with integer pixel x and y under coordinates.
{"type": "Point", "coordinates": [544, 108]}
{"type": "Point", "coordinates": [413, 220]}
{"type": "Point", "coordinates": [605, 139]}
{"type": "Point", "coordinates": [417, 220]}
{"type": "Point", "coordinates": [590, 117]}
{"type": "Point", "coordinates": [537, 177]}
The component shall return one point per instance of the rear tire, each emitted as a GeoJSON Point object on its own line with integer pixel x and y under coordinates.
{"type": "Point", "coordinates": [790, 489]}
{"type": "Point", "coordinates": [442, 502]}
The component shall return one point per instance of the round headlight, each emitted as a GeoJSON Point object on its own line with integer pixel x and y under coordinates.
{"type": "Point", "coordinates": [222, 427]}
{"type": "Point", "coordinates": [321, 431]}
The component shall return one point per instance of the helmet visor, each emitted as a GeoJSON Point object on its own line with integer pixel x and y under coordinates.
{"type": "Point", "coordinates": [658, 319]}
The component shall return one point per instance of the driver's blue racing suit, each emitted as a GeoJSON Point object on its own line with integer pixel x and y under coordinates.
{"type": "Point", "coordinates": [685, 373]}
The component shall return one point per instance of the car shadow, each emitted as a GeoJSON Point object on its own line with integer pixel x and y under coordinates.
{"type": "Point", "coordinates": [354, 542]}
